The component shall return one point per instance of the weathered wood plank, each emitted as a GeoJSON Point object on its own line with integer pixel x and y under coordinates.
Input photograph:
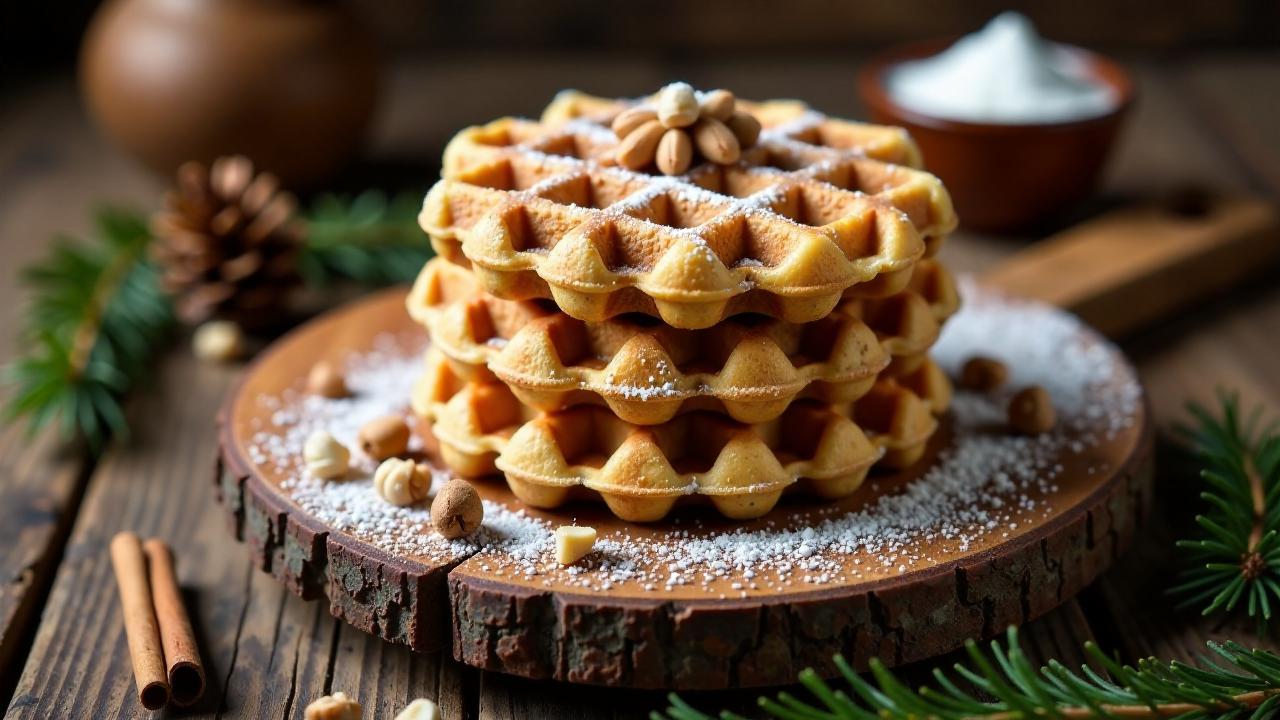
{"type": "Point", "coordinates": [1226, 343]}
{"type": "Point", "coordinates": [49, 161]}
{"type": "Point", "coordinates": [1238, 95]}
{"type": "Point", "coordinates": [386, 677]}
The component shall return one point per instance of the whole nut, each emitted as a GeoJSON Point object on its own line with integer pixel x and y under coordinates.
{"type": "Point", "coordinates": [338, 706]}
{"type": "Point", "coordinates": [219, 341]}
{"type": "Point", "coordinates": [632, 118]}
{"type": "Point", "coordinates": [745, 127]}
{"type": "Point", "coordinates": [637, 148]}
{"type": "Point", "coordinates": [402, 482]}
{"type": "Point", "coordinates": [384, 437]}
{"type": "Point", "coordinates": [457, 511]}
{"type": "Point", "coordinates": [420, 709]}
{"type": "Point", "coordinates": [1031, 411]}
{"type": "Point", "coordinates": [324, 456]}
{"type": "Point", "coordinates": [983, 373]}
{"type": "Point", "coordinates": [677, 105]}
{"type": "Point", "coordinates": [718, 104]}
{"type": "Point", "coordinates": [716, 141]}
{"type": "Point", "coordinates": [675, 152]}
{"type": "Point", "coordinates": [324, 380]}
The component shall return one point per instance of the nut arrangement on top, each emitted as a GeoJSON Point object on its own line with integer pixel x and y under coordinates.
{"type": "Point", "coordinates": [785, 261]}
{"type": "Point", "coordinates": [680, 124]}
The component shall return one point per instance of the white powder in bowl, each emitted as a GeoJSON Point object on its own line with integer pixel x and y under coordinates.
{"type": "Point", "coordinates": [1005, 74]}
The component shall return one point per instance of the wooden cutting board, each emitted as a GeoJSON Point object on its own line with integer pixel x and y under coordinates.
{"type": "Point", "coordinates": [1134, 266]}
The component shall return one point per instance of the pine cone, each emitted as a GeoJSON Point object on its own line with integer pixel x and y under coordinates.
{"type": "Point", "coordinates": [227, 243]}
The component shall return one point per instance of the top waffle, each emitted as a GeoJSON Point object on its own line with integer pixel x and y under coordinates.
{"type": "Point", "coordinates": [539, 209]}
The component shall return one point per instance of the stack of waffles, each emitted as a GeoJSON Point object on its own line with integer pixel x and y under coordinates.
{"type": "Point", "coordinates": [728, 335]}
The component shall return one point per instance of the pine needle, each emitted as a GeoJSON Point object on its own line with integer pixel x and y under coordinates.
{"type": "Point", "coordinates": [93, 323]}
{"type": "Point", "coordinates": [369, 239]}
{"type": "Point", "coordinates": [1243, 684]}
{"type": "Point", "coordinates": [1235, 562]}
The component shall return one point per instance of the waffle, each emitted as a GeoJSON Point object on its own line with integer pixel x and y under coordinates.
{"type": "Point", "coordinates": [797, 130]}
{"type": "Point", "coordinates": [640, 472]}
{"type": "Point", "coordinates": [537, 211]}
{"type": "Point", "coordinates": [908, 323]}
{"type": "Point", "coordinates": [750, 368]}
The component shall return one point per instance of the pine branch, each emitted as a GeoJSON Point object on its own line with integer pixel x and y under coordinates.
{"type": "Point", "coordinates": [96, 317]}
{"type": "Point", "coordinates": [1231, 682]}
{"type": "Point", "coordinates": [368, 239]}
{"type": "Point", "coordinates": [1236, 561]}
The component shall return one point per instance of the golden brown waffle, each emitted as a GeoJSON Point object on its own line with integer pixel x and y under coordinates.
{"type": "Point", "coordinates": [908, 323]}
{"type": "Point", "coordinates": [748, 367]}
{"type": "Point", "coordinates": [642, 471]}
{"type": "Point", "coordinates": [794, 130]}
{"type": "Point", "coordinates": [538, 211]}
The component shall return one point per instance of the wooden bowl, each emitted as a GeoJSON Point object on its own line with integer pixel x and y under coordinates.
{"type": "Point", "coordinates": [1005, 177]}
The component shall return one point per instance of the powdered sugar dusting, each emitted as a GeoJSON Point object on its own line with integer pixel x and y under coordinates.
{"type": "Point", "coordinates": [982, 488]}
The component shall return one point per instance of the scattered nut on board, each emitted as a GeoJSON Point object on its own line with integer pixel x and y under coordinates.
{"type": "Point", "coordinates": [574, 542]}
{"type": "Point", "coordinates": [402, 482]}
{"type": "Point", "coordinates": [457, 511]}
{"type": "Point", "coordinates": [218, 341]}
{"type": "Point", "coordinates": [338, 706]}
{"type": "Point", "coordinates": [384, 437]}
{"type": "Point", "coordinates": [324, 456]}
{"type": "Point", "coordinates": [983, 373]}
{"type": "Point", "coordinates": [420, 709]}
{"type": "Point", "coordinates": [1031, 411]}
{"type": "Point", "coordinates": [325, 380]}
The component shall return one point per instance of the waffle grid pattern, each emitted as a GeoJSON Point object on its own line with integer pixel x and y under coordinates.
{"type": "Point", "coordinates": [724, 337]}
{"type": "Point", "coordinates": [538, 211]}
{"type": "Point", "coordinates": [641, 472]}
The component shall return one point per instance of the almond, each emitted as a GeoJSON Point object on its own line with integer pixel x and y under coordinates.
{"type": "Point", "coordinates": [745, 128]}
{"type": "Point", "coordinates": [718, 104]}
{"type": "Point", "coordinates": [716, 142]}
{"type": "Point", "coordinates": [637, 148]}
{"type": "Point", "coordinates": [677, 105]}
{"type": "Point", "coordinates": [675, 152]}
{"type": "Point", "coordinates": [630, 119]}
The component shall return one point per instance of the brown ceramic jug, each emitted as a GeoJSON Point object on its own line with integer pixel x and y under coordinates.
{"type": "Point", "coordinates": [290, 83]}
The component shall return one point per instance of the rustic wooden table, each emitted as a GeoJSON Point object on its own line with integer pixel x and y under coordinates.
{"type": "Point", "coordinates": [1205, 119]}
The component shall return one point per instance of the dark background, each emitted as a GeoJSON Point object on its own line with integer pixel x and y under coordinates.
{"type": "Point", "coordinates": [38, 35]}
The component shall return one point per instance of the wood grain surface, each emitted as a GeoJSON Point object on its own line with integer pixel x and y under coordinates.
{"type": "Point", "coordinates": [1202, 119]}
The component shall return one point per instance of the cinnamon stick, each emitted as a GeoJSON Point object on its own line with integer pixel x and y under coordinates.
{"type": "Point", "coordinates": [181, 656]}
{"type": "Point", "coordinates": [140, 620]}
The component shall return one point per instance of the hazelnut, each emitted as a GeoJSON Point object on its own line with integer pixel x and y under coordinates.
{"type": "Point", "coordinates": [401, 482]}
{"type": "Point", "coordinates": [1031, 411]}
{"type": "Point", "coordinates": [420, 709]}
{"type": "Point", "coordinates": [573, 542]}
{"type": "Point", "coordinates": [338, 706]}
{"type": "Point", "coordinates": [457, 511]}
{"type": "Point", "coordinates": [219, 341]}
{"type": "Point", "coordinates": [983, 374]}
{"type": "Point", "coordinates": [324, 456]}
{"type": "Point", "coordinates": [324, 380]}
{"type": "Point", "coordinates": [677, 105]}
{"type": "Point", "coordinates": [385, 437]}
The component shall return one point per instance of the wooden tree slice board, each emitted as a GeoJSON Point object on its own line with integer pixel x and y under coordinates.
{"type": "Point", "coordinates": [668, 605]}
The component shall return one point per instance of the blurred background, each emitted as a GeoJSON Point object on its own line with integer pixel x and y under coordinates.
{"type": "Point", "coordinates": [447, 65]}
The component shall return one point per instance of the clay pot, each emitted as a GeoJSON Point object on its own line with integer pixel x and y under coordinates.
{"type": "Point", "coordinates": [289, 83]}
{"type": "Point", "coordinates": [1005, 177]}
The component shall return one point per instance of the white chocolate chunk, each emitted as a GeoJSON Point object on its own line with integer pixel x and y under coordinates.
{"type": "Point", "coordinates": [573, 542]}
